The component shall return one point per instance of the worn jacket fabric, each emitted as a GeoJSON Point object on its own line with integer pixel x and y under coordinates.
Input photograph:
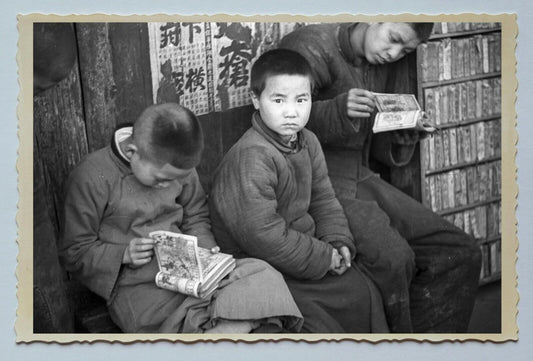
{"type": "Point", "coordinates": [286, 198]}
{"type": "Point", "coordinates": [106, 207]}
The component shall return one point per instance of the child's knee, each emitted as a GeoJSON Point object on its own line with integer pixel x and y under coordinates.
{"type": "Point", "coordinates": [395, 261]}
{"type": "Point", "coordinates": [402, 260]}
{"type": "Point", "coordinates": [470, 251]}
{"type": "Point", "coordinates": [255, 265]}
{"type": "Point", "coordinates": [395, 251]}
{"type": "Point", "coordinates": [256, 268]}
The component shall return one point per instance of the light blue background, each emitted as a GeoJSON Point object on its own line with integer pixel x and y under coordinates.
{"type": "Point", "coordinates": [520, 350]}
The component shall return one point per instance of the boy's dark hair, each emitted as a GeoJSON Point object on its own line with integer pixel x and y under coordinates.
{"type": "Point", "coordinates": [174, 134]}
{"type": "Point", "coordinates": [422, 30]}
{"type": "Point", "coordinates": [278, 62]}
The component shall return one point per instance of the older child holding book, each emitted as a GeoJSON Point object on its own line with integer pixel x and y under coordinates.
{"type": "Point", "coordinates": [272, 199]}
{"type": "Point", "coordinates": [143, 182]}
{"type": "Point", "coordinates": [427, 269]}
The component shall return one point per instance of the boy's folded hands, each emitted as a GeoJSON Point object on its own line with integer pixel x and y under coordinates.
{"type": "Point", "coordinates": [340, 260]}
{"type": "Point", "coordinates": [139, 252]}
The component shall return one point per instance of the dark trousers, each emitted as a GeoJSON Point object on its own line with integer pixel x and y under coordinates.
{"type": "Point", "coordinates": [349, 303]}
{"type": "Point", "coordinates": [426, 268]}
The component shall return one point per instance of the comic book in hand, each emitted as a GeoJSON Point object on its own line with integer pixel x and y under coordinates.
{"type": "Point", "coordinates": [400, 111]}
{"type": "Point", "coordinates": [187, 268]}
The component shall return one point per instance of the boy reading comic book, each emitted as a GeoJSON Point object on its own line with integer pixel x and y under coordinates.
{"type": "Point", "coordinates": [143, 182]}
{"type": "Point", "coordinates": [187, 268]}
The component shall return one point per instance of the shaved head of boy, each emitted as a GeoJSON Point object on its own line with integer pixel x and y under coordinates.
{"type": "Point", "coordinates": [166, 144]}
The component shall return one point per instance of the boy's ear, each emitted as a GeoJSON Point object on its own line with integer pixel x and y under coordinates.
{"type": "Point", "coordinates": [131, 149]}
{"type": "Point", "coordinates": [255, 100]}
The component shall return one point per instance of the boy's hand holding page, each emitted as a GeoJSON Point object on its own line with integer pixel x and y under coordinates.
{"type": "Point", "coordinates": [139, 252]}
{"type": "Point", "coordinates": [187, 268]}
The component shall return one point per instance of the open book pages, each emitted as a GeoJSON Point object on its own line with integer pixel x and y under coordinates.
{"type": "Point", "coordinates": [400, 111]}
{"type": "Point", "coordinates": [186, 268]}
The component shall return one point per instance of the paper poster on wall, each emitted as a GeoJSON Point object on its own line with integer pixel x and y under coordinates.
{"type": "Point", "coordinates": [206, 66]}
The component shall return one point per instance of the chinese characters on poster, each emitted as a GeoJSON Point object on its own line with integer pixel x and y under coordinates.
{"type": "Point", "coordinates": [206, 66]}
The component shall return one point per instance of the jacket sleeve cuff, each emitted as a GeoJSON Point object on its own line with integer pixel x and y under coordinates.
{"type": "Point", "coordinates": [323, 267]}
{"type": "Point", "coordinates": [354, 124]}
{"type": "Point", "coordinates": [116, 253]}
{"type": "Point", "coordinates": [338, 243]}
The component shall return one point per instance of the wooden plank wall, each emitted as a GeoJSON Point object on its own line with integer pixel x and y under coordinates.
{"type": "Point", "coordinates": [59, 143]}
{"type": "Point", "coordinates": [110, 84]}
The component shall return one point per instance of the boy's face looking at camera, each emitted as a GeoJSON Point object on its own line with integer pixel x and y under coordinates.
{"type": "Point", "coordinates": [284, 103]}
